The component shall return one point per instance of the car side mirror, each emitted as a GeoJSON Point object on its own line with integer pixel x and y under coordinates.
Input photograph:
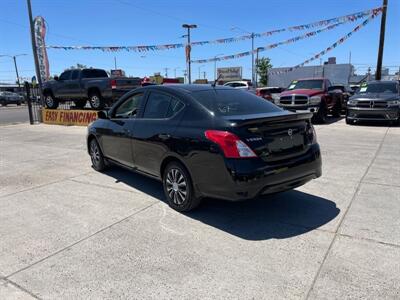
{"type": "Point", "coordinates": [102, 114]}
{"type": "Point", "coordinates": [56, 78]}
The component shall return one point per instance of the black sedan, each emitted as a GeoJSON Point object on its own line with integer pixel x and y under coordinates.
{"type": "Point", "coordinates": [205, 141]}
{"type": "Point", "coordinates": [375, 101]}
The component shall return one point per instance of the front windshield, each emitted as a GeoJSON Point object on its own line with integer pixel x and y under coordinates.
{"type": "Point", "coordinates": [379, 87]}
{"type": "Point", "coordinates": [306, 84]}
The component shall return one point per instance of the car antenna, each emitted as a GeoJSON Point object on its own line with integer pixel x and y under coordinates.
{"type": "Point", "coordinates": [216, 80]}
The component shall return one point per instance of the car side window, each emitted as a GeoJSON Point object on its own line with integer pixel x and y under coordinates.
{"type": "Point", "coordinates": [175, 106]}
{"type": "Point", "coordinates": [157, 106]}
{"type": "Point", "coordinates": [129, 108]}
{"type": "Point", "coordinates": [75, 74]}
{"type": "Point", "coordinates": [65, 76]}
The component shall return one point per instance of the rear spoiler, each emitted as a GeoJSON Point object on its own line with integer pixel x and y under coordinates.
{"type": "Point", "coordinates": [273, 119]}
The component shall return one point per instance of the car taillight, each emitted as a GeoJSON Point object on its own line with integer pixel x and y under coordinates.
{"type": "Point", "coordinates": [113, 83]}
{"type": "Point", "coordinates": [230, 144]}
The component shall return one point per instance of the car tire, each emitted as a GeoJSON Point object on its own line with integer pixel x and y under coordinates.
{"type": "Point", "coordinates": [3, 103]}
{"type": "Point", "coordinates": [96, 156]}
{"type": "Point", "coordinates": [178, 188]}
{"type": "Point", "coordinates": [349, 122]}
{"type": "Point", "coordinates": [337, 110]}
{"type": "Point", "coordinates": [50, 101]}
{"type": "Point", "coordinates": [80, 103]}
{"type": "Point", "coordinates": [18, 103]}
{"type": "Point", "coordinates": [320, 116]}
{"type": "Point", "coordinates": [96, 101]}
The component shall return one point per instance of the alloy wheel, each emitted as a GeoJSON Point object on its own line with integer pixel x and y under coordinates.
{"type": "Point", "coordinates": [95, 101]}
{"type": "Point", "coordinates": [176, 185]}
{"type": "Point", "coordinates": [49, 101]}
{"type": "Point", "coordinates": [94, 153]}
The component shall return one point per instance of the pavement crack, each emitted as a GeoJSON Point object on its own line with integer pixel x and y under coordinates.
{"type": "Point", "coordinates": [16, 285]}
{"type": "Point", "coordinates": [336, 234]}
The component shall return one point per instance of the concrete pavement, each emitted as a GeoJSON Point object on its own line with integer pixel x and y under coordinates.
{"type": "Point", "coordinates": [70, 232]}
{"type": "Point", "coordinates": [13, 114]}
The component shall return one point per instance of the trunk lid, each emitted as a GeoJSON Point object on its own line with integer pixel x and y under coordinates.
{"type": "Point", "coordinates": [274, 136]}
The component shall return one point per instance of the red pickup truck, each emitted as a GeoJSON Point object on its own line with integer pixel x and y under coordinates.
{"type": "Point", "coordinates": [310, 95]}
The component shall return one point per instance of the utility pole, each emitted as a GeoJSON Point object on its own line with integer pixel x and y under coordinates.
{"type": "Point", "coordinates": [16, 70]}
{"type": "Point", "coordinates": [34, 50]}
{"type": "Point", "coordinates": [252, 58]}
{"type": "Point", "coordinates": [14, 57]}
{"type": "Point", "coordinates": [115, 63]}
{"type": "Point", "coordinates": [204, 75]}
{"type": "Point", "coordinates": [166, 72]}
{"type": "Point", "coordinates": [189, 49]}
{"type": "Point", "coordinates": [378, 74]}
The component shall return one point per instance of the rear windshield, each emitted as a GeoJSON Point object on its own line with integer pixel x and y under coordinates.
{"type": "Point", "coordinates": [306, 84]}
{"type": "Point", "coordinates": [379, 87]}
{"type": "Point", "coordinates": [94, 73]}
{"type": "Point", "coordinates": [231, 102]}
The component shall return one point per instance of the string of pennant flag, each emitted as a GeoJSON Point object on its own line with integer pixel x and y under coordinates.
{"type": "Point", "coordinates": [145, 48]}
{"type": "Point", "coordinates": [330, 48]}
{"type": "Point", "coordinates": [274, 45]}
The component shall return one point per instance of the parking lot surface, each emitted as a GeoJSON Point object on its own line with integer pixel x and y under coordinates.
{"type": "Point", "coordinates": [68, 232]}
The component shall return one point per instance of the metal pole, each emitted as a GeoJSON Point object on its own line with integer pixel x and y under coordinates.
{"type": "Point", "coordinates": [215, 69]}
{"type": "Point", "coordinates": [252, 57]}
{"type": "Point", "coordinates": [189, 62]}
{"type": "Point", "coordinates": [16, 70]}
{"type": "Point", "coordinates": [378, 74]}
{"type": "Point", "coordinates": [29, 101]}
{"type": "Point", "coordinates": [115, 63]}
{"type": "Point", "coordinates": [256, 81]}
{"type": "Point", "coordinates": [34, 50]}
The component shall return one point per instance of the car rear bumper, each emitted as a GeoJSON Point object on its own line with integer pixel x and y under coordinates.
{"type": "Point", "coordinates": [373, 114]}
{"type": "Point", "coordinates": [249, 178]}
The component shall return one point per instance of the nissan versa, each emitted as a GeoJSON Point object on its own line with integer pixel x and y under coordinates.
{"type": "Point", "coordinates": [375, 101]}
{"type": "Point", "coordinates": [206, 141]}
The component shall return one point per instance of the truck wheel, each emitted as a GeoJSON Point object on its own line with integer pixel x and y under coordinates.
{"type": "Point", "coordinates": [96, 101]}
{"type": "Point", "coordinates": [337, 109]}
{"type": "Point", "coordinates": [320, 116]}
{"type": "Point", "coordinates": [50, 101]}
{"type": "Point", "coordinates": [80, 103]}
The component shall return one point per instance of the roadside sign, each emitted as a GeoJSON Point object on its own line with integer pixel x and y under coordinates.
{"type": "Point", "coordinates": [229, 74]}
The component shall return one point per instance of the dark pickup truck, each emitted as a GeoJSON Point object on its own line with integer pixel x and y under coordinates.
{"type": "Point", "coordinates": [81, 85]}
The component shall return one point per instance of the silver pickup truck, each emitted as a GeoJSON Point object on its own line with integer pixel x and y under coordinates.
{"type": "Point", "coordinates": [82, 85]}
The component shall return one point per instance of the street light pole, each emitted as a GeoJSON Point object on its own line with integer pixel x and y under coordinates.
{"type": "Point", "coordinates": [256, 75]}
{"type": "Point", "coordinates": [189, 49]}
{"type": "Point", "coordinates": [215, 65]}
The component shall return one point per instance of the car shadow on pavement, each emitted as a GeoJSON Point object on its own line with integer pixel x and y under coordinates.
{"type": "Point", "coordinates": [277, 216]}
{"type": "Point", "coordinates": [331, 120]}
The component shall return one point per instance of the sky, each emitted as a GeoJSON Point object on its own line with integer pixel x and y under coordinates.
{"type": "Point", "coordinates": [134, 22]}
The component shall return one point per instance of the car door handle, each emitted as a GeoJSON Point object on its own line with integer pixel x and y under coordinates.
{"type": "Point", "coordinates": [164, 136]}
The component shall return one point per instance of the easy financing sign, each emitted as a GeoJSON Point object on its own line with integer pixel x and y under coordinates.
{"type": "Point", "coordinates": [68, 117]}
{"type": "Point", "coordinates": [229, 74]}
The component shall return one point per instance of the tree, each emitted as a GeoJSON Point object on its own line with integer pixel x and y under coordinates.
{"type": "Point", "coordinates": [78, 66]}
{"type": "Point", "coordinates": [263, 66]}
